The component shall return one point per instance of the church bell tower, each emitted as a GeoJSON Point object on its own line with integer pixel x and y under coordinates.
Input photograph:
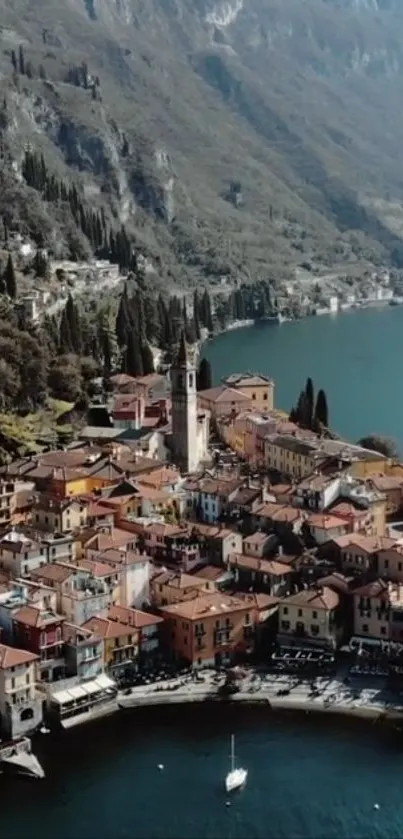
{"type": "Point", "coordinates": [184, 410]}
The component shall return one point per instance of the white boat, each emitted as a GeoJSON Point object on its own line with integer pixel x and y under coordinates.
{"type": "Point", "coordinates": [236, 778]}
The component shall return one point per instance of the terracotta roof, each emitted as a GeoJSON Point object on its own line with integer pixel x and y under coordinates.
{"type": "Point", "coordinates": [325, 522]}
{"type": "Point", "coordinates": [211, 573]}
{"type": "Point", "coordinates": [179, 580]}
{"type": "Point", "coordinates": [221, 394]}
{"type": "Point", "coordinates": [265, 566]}
{"type": "Point", "coordinates": [368, 544]}
{"type": "Point", "coordinates": [345, 509]}
{"type": "Point", "coordinates": [319, 598]}
{"type": "Point", "coordinates": [12, 657]}
{"type": "Point", "coordinates": [133, 617]}
{"type": "Point", "coordinates": [98, 509]}
{"type": "Point", "coordinates": [207, 606]}
{"type": "Point", "coordinates": [122, 557]}
{"type": "Point", "coordinates": [105, 628]}
{"type": "Point", "coordinates": [161, 477]}
{"type": "Point", "coordinates": [278, 512]}
{"type": "Point", "coordinates": [35, 617]}
{"type": "Point", "coordinates": [377, 588]}
{"type": "Point", "coordinates": [115, 539]}
{"type": "Point", "coordinates": [386, 482]}
{"type": "Point", "coordinates": [53, 572]}
{"type": "Point", "coordinates": [97, 567]}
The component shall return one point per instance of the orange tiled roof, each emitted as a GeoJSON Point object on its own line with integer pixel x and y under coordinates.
{"type": "Point", "coordinates": [12, 657]}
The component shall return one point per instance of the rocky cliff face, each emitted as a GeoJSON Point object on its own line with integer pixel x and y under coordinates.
{"type": "Point", "coordinates": [153, 108]}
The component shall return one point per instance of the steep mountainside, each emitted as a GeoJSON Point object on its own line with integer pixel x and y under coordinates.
{"type": "Point", "coordinates": [237, 138]}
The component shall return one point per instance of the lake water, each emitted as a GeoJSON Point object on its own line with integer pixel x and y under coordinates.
{"type": "Point", "coordinates": [356, 357]}
{"type": "Point", "coordinates": [309, 778]}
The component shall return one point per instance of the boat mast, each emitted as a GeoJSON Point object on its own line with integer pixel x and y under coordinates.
{"type": "Point", "coordinates": [232, 752]}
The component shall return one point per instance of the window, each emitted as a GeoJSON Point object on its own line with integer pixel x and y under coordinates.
{"type": "Point", "coordinates": [190, 379]}
{"type": "Point", "coordinates": [247, 618]}
{"type": "Point", "coordinates": [365, 627]}
{"type": "Point", "coordinates": [12, 684]}
{"type": "Point", "coordinates": [383, 630]}
{"type": "Point", "coordinates": [300, 613]}
{"type": "Point", "coordinates": [386, 564]}
{"type": "Point", "coordinates": [314, 615]}
{"type": "Point", "coordinates": [285, 610]}
{"type": "Point", "coordinates": [253, 395]}
{"type": "Point", "coordinates": [314, 629]}
{"type": "Point", "coordinates": [285, 625]}
{"type": "Point", "coordinates": [399, 566]}
{"type": "Point", "coordinates": [27, 678]}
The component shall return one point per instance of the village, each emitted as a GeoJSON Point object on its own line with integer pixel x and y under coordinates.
{"type": "Point", "coordinates": [194, 536]}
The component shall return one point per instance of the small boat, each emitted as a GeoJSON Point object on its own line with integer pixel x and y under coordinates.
{"type": "Point", "coordinates": [236, 778]}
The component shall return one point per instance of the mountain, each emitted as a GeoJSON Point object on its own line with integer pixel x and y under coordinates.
{"type": "Point", "coordinates": [238, 138]}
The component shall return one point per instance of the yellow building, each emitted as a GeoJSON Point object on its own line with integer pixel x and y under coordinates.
{"type": "Point", "coordinates": [290, 455]}
{"type": "Point", "coordinates": [121, 643]}
{"type": "Point", "coordinates": [310, 616]}
{"type": "Point", "coordinates": [378, 611]}
{"type": "Point", "coordinates": [259, 388]}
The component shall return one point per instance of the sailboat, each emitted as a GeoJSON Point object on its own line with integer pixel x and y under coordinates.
{"type": "Point", "coordinates": [236, 778]}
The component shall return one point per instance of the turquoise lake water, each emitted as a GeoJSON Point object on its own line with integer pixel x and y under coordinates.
{"type": "Point", "coordinates": [357, 357]}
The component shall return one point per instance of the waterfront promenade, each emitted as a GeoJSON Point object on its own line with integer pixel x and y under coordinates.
{"type": "Point", "coordinates": [339, 694]}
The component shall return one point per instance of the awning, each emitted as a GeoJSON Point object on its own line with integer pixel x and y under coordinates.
{"type": "Point", "coordinates": [92, 687]}
{"type": "Point", "coordinates": [105, 681]}
{"type": "Point", "coordinates": [77, 692]}
{"type": "Point", "coordinates": [61, 697]}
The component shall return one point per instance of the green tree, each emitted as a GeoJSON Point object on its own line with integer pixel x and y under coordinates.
{"type": "Point", "coordinates": [321, 410]}
{"type": "Point", "coordinates": [196, 314]}
{"type": "Point", "coordinates": [378, 443]}
{"type": "Point", "coordinates": [204, 375]}
{"type": "Point", "coordinates": [147, 359]}
{"type": "Point", "coordinates": [133, 361]}
{"type": "Point", "coordinates": [64, 379]}
{"type": "Point", "coordinates": [10, 279]}
{"type": "Point", "coordinates": [123, 319]}
{"type": "Point", "coordinates": [310, 403]}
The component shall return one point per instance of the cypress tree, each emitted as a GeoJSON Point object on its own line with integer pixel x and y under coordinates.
{"type": "Point", "coordinates": [321, 410]}
{"type": "Point", "coordinates": [10, 279]}
{"type": "Point", "coordinates": [123, 319]}
{"type": "Point", "coordinates": [133, 360]}
{"type": "Point", "coordinates": [74, 321]}
{"type": "Point", "coordinates": [302, 410]}
{"type": "Point", "coordinates": [204, 375]}
{"type": "Point", "coordinates": [196, 314]}
{"type": "Point", "coordinates": [309, 396]}
{"type": "Point", "coordinates": [65, 342]}
{"type": "Point", "coordinates": [147, 359]}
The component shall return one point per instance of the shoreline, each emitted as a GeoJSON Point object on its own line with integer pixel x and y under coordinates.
{"type": "Point", "coordinates": [342, 309]}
